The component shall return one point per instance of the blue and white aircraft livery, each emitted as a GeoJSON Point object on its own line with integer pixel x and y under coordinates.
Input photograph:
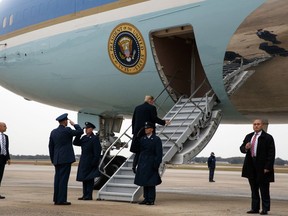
{"type": "Point", "coordinates": [101, 57]}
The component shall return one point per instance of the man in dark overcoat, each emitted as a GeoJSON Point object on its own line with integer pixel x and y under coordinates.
{"type": "Point", "coordinates": [258, 166]}
{"type": "Point", "coordinates": [4, 151]}
{"type": "Point", "coordinates": [89, 160]}
{"type": "Point", "coordinates": [145, 112]}
{"type": "Point", "coordinates": [211, 165]}
{"type": "Point", "coordinates": [62, 156]}
{"type": "Point", "coordinates": [147, 169]}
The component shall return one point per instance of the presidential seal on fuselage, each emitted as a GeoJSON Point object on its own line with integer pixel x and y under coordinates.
{"type": "Point", "coordinates": [127, 49]}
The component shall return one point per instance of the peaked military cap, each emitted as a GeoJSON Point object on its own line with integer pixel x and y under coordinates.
{"type": "Point", "coordinates": [62, 117]}
{"type": "Point", "coordinates": [149, 125]}
{"type": "Point", "coordinates": [89, 125]}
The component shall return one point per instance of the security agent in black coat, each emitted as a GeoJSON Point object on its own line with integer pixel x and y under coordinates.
{"type": "Point", "coordinates": [4, 151]}
{"type": "Point", "coordinates": [89, 160]}
{"type": "Point", "coordinates": [259, 167]}
{"type": "Point", "coordinates": [150, 158]}
{"type": "Point", "coordinates": [62, 156]}
{"type": "Point", "coordinates": [145, 112]}
{"type": "Point", "coordinates": [211, 166]}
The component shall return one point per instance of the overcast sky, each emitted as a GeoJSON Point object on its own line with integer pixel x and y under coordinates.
{"type": "Point", "coordinates": [29, 125]}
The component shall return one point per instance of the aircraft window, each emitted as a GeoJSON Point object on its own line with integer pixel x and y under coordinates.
{"type": "Point", "coordinates": [11, 19]}
{"type": "Point", "coordinates": [4, 22]}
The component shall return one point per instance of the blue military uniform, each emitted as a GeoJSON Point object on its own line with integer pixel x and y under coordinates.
{"type": "Point", "coordinates": [147, 173]}
{"type": "Point", "coordinates": [89, 161]}
{"type": "Point", "coordinates": [62, 156]}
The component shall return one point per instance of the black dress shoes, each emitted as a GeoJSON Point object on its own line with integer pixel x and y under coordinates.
{"type": "Point", "coordinates": [149, 203]}
{"type": "Point", "coordinates": [63, 203]}
{"type": "Point", "coordinates": [87, 198]}
{"type": "Point", "coordinates": [80, 198]}
{"type": "Point", "coordinates": [143, 202]}
{"type": "Point", "coordinates": [263, 212]}
{"type": "Point", "coordinates": [2, 197]}
{"type": "Point", "coordinates": [252, 212]}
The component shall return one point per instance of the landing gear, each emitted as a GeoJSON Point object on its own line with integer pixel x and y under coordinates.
{"type": "Point", "coordinates": [110, 170]}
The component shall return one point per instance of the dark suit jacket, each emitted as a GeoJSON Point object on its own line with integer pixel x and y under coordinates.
{"type": "Point", "coordinates": [7, 157]}
{"type": "Point", "coordinates": [265, 157]}
{"type": "Point", "coordinates": [60, 144]}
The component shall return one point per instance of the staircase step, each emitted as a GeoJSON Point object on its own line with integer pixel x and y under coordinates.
{"type": "Point", "coordinates": [183, 100]}
{"type": "Point", "coordinates": [176, 130]}
{"type": "Point", "coordinates": [183, 116]}
{"type": "Point", "coordinates": [116, 196]}
{"type": "Point", "coordinates": [126, 170]}
{"type": "Point", "coordinates": [124, 179]}
{"type": "Point", "coordinates": [121, 188]}
{"type": "Point", "coordinates": [187, 109]}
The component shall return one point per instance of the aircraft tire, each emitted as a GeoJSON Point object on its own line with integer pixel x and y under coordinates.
{"type": "Point", "coordinates": [111, 169]}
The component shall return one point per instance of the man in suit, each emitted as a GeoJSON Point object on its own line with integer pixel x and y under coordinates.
{"type": "Point", "coordinates": [62, 156]}
{"type": "Point", "coordinates": [145, 112]}
{"type": "Point", "coordinates": [4, 151]}
{"type": "Point", "coordinates": [150, 158]}
{"type": "Point", "coordinates": [258, 166]}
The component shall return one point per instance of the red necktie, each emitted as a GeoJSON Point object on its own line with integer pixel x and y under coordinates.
{"type": "Point", "coordinates": [253, 144]}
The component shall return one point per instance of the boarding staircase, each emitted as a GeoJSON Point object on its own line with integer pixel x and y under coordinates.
{"type": "Point", "coordinates": [193, 123]}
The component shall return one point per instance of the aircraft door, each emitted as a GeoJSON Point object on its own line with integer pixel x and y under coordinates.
{"type": "Point", "coordinates": [177, 59]}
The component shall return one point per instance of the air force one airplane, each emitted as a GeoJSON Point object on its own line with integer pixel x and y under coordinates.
{"type": "Point", "coordinates": [205, 60]}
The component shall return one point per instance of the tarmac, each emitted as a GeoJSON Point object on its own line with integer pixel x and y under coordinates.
{"type": "Point", "coordinates": [29, 190]}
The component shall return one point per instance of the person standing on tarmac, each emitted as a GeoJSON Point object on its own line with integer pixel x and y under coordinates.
{"type": "Point", "coordinates": [4, 151]}
{"type": "Point", "coordinates": [259, 149]}
{"type": "Point", "coordinates": [62, 156]}
{"type": "Point", "coordinates": [89, 160]}
{"type": "Point", "coordinates": [211, 165]}
{"type": "Point", "coordinates": [147, 167]}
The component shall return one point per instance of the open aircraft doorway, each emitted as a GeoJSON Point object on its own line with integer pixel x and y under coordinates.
{"type": "Point", "coordinates": [177, 60]}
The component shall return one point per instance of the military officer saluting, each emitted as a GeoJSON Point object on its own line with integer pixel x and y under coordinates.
{"type": "Point", "coordinates": [62, 156]}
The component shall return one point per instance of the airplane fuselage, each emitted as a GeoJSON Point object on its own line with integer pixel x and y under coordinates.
{"type": "Point", "coordinates": [76, 55]}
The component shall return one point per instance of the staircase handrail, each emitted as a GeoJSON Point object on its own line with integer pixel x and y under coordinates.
{"type": "Point", "coordinates": [109, 149]}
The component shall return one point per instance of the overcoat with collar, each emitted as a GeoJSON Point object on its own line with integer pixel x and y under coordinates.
{"type": "Point", "coordinates": [143, 113]}
{"type": "Point", "coordinates": [90, 157]}
{"type": "Point", "coordinates": [265, 157]}
{"type": "Point", "coordinates": [150, 158]}
{"type": "Point", "coordinates": [60, 144]}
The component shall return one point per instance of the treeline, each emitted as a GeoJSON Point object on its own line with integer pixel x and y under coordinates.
{"type": "Point", "coordinates": [234, 160]}
{"type": "Point", "coordinates": [231, 160]}
{"type": "Point", "coordinates": [32, 157]}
